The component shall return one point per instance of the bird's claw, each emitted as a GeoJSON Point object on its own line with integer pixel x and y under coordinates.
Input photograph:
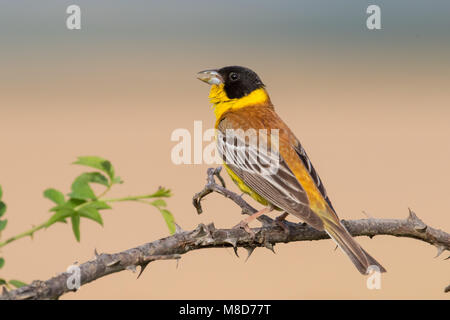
{"type": "Point", "coordinates": [280, 221]}
{"type": "Point", "coordinates": [282, 225]}
{"type": "Point", "coordinates": [244, 225]}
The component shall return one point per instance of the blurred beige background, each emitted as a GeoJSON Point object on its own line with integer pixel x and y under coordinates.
{"type": "Point", "coordinates": [371, 109]}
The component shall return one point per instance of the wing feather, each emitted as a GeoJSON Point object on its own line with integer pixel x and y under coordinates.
{"type": "Point", "coordinates": [312, 172]}
{"type": "Point", "coordinates": [280, 186]}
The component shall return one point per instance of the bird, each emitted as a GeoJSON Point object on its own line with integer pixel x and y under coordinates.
{"type": "Point", "coordinates": [283, 180]}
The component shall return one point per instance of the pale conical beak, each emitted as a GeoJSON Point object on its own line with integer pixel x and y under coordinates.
{"type": "Point", "coordinates": [210, 77]}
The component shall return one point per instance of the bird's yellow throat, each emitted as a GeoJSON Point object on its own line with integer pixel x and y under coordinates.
{"type": "Point", "coordinates": [221, 103]}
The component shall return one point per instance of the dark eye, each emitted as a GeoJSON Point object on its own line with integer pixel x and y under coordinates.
{"type": "Point", "coordinates": [234, 76]}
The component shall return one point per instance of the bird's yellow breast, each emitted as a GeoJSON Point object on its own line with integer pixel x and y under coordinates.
{"type": "Point", "coordinates": [221, 103]}
{"type": "Point", "coordinates": [244, 188]}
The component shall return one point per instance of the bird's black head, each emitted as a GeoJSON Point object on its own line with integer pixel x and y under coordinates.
{"type": "Point", "coordinates": [238, 81]}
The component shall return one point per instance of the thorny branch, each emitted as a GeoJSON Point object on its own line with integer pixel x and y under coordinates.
{"type": "Point", "coordinates": [209, 237]}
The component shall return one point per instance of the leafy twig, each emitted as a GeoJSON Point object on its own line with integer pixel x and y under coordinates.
{"type": "Point", "coordinates": [82, 202]}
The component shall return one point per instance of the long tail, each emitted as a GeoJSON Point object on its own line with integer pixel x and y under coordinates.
{"type": "Point", "coordinates": [360, 258]}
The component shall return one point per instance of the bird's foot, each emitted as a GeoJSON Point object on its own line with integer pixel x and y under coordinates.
{"type": "Point", "coordinates": [244, 225]}
{"type": "Point", "coordinates": [280, 221]}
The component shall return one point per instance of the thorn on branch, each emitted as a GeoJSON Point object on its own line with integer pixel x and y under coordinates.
{"type": "Point", "coordinates": [235, 249]}
{"type": "Point", "coordinates": [143, 266]}
{"type": "Point", "coordinates": [200, 231]}
{"type": "Point", "coordinates": [231, 241]}
{"type": "Point", "coordinates": [113, 263]}
{"type": "Point", "coordinates": [440, 249]}
{"type": "Point", "coordinates": [178, 229]}
{"type": "Point", "coordinates": [269, 246]}
{"type": "Point", "coordinates": [211, 227]}
{"type": "Point", "coordinates": [418, 224]}
{"type": "Point", "coordinates": [147, 259]}
{"type": "Point", "coordinates": [250, 250]}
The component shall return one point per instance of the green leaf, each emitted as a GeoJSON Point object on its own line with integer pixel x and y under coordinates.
{"type": "Point", "coordinates": [99, 205]}
{"type": "Point", "coordinates": [91, 213]}
{"type": "Point", "coordinates": [97, 163]}
{"type": "Point", "coordinates": [3, 282]}
{"type": "Point", "coordinates": [170, 221]}
{"type": "Point", "coordinates": [81, 188]}
{"type": "Point", "coordinates": [97, 177]}
{"type": "Point", "coordinates": [64, 211]}
{"type": "Point", "coordinates": [162, 193]}
{"type": "Point", "coordinates": [117, 180]}
{"type": "Point", "coordinates": [3, 224]}
{"type": "Point", "coordinates": [2, 262]}
{"type": "Point", "coordinates": [54, 195]}
{"type": "Point", "coordinates": [1, 192]}
{"type": "Point", "coordinates": [17, 283]}
{"type": "Point", "coordinates": [2, 208]}
{"type": "Point", "coordinates": [60, 215]}
{"type": "Point", "coordinates": [159, 203]}
{"type": "Point", "coordinates": [70, 204]}
{"type": "Point", "coordinates": [90, 210]}
{"type": "Point", "coordinates": [76, 226]}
